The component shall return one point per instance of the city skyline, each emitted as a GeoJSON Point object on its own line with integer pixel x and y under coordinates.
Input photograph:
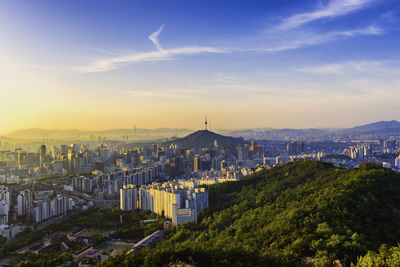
{"type": "Point", "coordinates": [104, 65]}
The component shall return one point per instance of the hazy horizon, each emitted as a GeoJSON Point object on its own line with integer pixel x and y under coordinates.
{"type": "Point", "coordinates": [181, 128]}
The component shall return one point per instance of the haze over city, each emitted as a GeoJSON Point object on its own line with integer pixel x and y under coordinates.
{"type": "Point", "coordinates": [100, 65]}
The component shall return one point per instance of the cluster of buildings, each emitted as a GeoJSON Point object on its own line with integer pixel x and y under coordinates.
{"type": "Point", "coordinates": [282, 159]}
{"type": "Point", "coordinates": [44, 206]}
{"type": "Point", "coordinates": [168, 160]}
{"type": "Point", "coordinates": [232, 163]}
{"type": "Point", "coordinates": [196, 182]}
{"type": "Point", "coordinates": [383, 152]}
{"type": "Point", "coordinates": [82, 184]}
{"type": "Point", "coordinates": [359, 151]}
{"type": "Point", "coordinates": [74, 159]}
{"type": "Point", "coordinates": [107, 185]}
{"type": "Point", "coordinates": [52, 208]}
{"type": "Point", "coordinates": [176, 200]}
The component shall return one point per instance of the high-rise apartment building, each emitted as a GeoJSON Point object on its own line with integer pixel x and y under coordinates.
{"type": "Point", "coordinates": [172, 200]}
{"type": "Point", "coordinates": [128, 198]}
{"type": "Point", "coordinates": [243, 152]}
{"type": "Point", "coordinates": [295, 148]}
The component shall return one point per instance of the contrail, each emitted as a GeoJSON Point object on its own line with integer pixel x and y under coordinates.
{"type": "Point", "coordinates": [154, 38]}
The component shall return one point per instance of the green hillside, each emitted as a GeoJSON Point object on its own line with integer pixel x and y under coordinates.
{"type": "Point", "coordinates": [282, 216]}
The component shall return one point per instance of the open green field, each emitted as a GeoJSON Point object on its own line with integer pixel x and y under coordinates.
{"type": "Point", "coordinates": [105, 245]}
{"type": "Point", "coordinates": [101, 232]}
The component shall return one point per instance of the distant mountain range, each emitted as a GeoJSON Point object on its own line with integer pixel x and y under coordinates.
{"type": "Point", "coordinates": [377, 128]}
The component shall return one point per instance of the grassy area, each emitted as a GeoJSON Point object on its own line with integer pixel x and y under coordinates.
{"type": "Point", "coordinates": [105, 245]}
{"type": "Point", "coordinates": [97, 232]}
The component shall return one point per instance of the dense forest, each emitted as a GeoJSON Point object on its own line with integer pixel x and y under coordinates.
{"type": "Point", "coordinates": [293, 215]}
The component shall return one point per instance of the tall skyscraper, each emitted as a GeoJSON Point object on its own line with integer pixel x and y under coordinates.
{"type": "Point", "coordinates": [71, 157]}
{"type": "Point", "coordinates": [21, 205]}
{"type": "Point", "coordinates": [196, 164]}
{"type": "Point", "coordinates": [243, 152]}
{"type": "Point", "coordinates": [42, 155]}
{"type": "Point", "coordinates": [295, 148]}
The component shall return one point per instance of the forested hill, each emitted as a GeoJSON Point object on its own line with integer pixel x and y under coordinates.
{"type": "Point", "coordinates": [282, 216]}
{"type": "Point", "coordinates": [205, 138]}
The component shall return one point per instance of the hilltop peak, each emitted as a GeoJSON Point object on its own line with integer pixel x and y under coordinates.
{"type": "Point", "coordinates": [206, 138]}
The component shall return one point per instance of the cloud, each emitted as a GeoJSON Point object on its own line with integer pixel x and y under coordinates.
{"type": "Point", "coordinates": [276, 42]}
{"type": "Point", "coordinates": [168, 93]}
{"type": "Point", "coordinates": [333, 9]}
{"type": "Point", "coordinates": [222, 77]}
{"type": "Point", "coordinates": [310, 39]}
{"type": "Point", "coordinates": [384, 69]}
{"type": "Point", "coordinates": [160, 54]}
{"type": "Point", "coordinates": [154, 37]}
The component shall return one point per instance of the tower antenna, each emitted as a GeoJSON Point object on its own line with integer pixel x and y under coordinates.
{"type": "Point", "coordinates": [205, 123]}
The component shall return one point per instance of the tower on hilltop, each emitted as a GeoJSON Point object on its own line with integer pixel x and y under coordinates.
{"type": "Point", "coordinates": [205, 123]}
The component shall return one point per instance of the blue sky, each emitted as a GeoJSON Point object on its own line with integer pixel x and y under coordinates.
{"type": "Point", "coordinates": [316, 63]}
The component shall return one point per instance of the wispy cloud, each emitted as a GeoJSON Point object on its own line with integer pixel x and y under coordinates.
{"type": "Point", "coordinates": [163, 94]}
{"type": "Point", "coordinates": [275, 41]}
{"type": "Point", "coordinates": [160, 54]}
{"type": "Point", "coordinates": [357, 68]}
{"type": "Point", "coordinates": [310, 39]}
{"type": "Point", "coordinates": [333, 9]}
{"type": "Point", "coordinates": [222, 77]}
{"type": "Point", "coordinates": [154, 37]}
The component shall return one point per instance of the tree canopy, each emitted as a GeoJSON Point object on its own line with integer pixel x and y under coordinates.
{"type": "Point", "coordinates": [284, 215]}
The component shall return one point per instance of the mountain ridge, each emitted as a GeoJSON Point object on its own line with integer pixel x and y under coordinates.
{"type": "Point", "coordinates": [376, 126]}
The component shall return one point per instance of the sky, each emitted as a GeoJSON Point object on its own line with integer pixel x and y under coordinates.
{"type": "Point", "coordinates": [245, 64]}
